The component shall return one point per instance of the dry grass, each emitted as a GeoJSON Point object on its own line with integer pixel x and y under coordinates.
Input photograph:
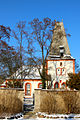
{"type": "Point", "coordinates": [48, 104]}
{"type": "Point", "coordinates": [72, 102]}
{"type": "Point", "coordinates": [10, 101]}
{"type": "Point", "coordinates": [59, 102]}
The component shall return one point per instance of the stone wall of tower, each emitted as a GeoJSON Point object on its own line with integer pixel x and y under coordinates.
{"type": "Point", "coordinates": [59, 69]}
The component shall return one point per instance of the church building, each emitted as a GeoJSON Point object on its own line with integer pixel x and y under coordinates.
{"type": "Point", "coordinates": [59, 63]}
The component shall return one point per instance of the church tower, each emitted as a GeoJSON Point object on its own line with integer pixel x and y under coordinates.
{"type": "Point", "coordinates": [59, 62]}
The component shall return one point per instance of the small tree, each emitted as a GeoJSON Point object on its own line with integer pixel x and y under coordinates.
{"type": "Point", "coordinates": [74, 81]}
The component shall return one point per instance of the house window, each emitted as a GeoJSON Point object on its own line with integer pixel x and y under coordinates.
{"type": "Point", "coordinates": [63, 71]}
{"type": "Point", "coordinates": [60, 63]}
{"type": "Point", "coordinates": [28, 89]}
{"type": "Point", "coordinates": [39, 85]}
{"type": "Point", "coordinates": [58, 71]}
{"type": "Point", "coordinates": [56, 85]}
{"type": "Point", "coordinates": [64, 84]}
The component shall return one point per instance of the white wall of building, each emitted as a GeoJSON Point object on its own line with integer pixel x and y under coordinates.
{"type": "Point", "coordinates": [59, 72]}
{"type": "Point", "coordinates": [34, 85]}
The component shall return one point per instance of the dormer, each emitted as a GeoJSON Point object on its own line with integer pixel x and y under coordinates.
{"type": "Point", "coordinates": [61, 48]}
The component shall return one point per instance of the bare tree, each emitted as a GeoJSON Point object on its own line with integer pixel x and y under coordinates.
{"type": "Point", "coordinates": [20, 35]}
{"type": "Point", "coordinates": [9, 57]}
{"type": "Point", "coordinates": [9, 60]}
{"type": "Point", "coordinates": [4, 32]}
{"type": "Point", "coordinates": [41, 36]}
{"type": "Point", "coordinates": [4, 37]}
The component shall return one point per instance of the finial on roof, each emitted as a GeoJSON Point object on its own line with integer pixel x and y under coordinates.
{"type": "Point", "coordinates": [62, 20]}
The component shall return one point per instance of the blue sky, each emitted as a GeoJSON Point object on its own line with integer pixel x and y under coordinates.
{"type": "Point", "coordinates": [13, 11]}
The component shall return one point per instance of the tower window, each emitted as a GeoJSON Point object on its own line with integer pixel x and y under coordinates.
{"type": "Point", "coordinates": [58, 71]}
{"type": "Point", "coordinates": [61, 50]}
{"type": "Point", "coordinates": [60, 63]}
{"type": "Point", "coordinates": [63, 71]}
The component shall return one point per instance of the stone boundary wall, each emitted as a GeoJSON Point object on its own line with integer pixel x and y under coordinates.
{"type": "Point", "coordinates": [64, 101]}
{"type": "Point", "coordinates": [11, 100]}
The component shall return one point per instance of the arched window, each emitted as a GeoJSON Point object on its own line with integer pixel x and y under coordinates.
{"type": "Point", "coordinates": [64, 84]}
{"type": "Point", "coordinates": [28, 89]}
{"type": "Point", "coordinates": [56, 85]}
{"type": "Point", "coordinates": [39, 85]}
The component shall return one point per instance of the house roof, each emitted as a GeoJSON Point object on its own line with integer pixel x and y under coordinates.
{"type": "Point", "coordinates": [28, 72]}
{"type": "Point", "coordinates": [59, 39]}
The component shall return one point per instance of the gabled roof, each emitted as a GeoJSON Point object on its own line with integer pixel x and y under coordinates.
{"type": "Point", "coordinates": [28, 72]}
{"type": "Point", "coordinates": [59, 39]}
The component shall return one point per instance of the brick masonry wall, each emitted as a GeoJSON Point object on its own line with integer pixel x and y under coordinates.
{"type": "Point", "coordinates": [64, 101]}
{"type": "Point", "coordinates": [11, 101]}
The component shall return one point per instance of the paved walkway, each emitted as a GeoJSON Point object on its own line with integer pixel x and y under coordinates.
{"type": "Point", "coordinates": [30, 115]}
{"type": "Point", "coordinates": [29, 112]}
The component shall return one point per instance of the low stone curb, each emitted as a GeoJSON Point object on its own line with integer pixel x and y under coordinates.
{"type": "Point", "coordinates": [12, 117]}
{"type": "Point", "coordinates": [41, 115]}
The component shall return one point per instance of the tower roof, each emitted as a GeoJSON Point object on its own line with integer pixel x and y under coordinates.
{"type": "Point", "coordinates": [59, 40]}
